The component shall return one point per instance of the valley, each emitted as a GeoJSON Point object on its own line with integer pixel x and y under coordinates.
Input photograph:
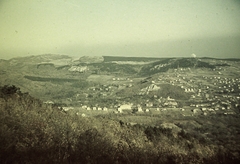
{"type": "Point", "coordinates": [199, 97]}
{"type": "Point", "coordinates": [154, 86]}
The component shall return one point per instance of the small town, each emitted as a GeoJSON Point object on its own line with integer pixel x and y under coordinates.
{"type": "Point", "coordinates": [143, 103]}
{"type": "Point", "coordinates": [208, 94]}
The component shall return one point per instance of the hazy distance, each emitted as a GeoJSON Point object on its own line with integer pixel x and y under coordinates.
{"type": "Point", "coordinates": [168, 28]}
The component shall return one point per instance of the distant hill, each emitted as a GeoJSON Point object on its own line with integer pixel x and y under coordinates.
{"type": "Point", "coordinates": [40, 58]}
{"type": "Point", "coordinates": [174, 63]}
{"type": "Point", "coordinates": [121, 58]}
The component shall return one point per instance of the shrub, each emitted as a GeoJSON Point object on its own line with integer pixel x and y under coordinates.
{"type": "Point", "coordinates": [9, 90]}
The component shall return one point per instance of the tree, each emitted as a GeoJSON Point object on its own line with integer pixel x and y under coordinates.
{"type": "Point", "coordinates": [9, 90]}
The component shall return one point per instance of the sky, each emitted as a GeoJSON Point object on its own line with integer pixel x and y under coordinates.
{"type": "Point", "coordinates": [157, 28]}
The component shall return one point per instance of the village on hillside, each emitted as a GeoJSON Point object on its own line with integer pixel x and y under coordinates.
{"type": "Point", "coordinates": [207, 93]}
{"type": "Point", "coordinates": [92, 86]}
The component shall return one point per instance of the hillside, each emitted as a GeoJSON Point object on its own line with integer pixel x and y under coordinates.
{"type": "Point", "coordinates": [93, 80]}
{"type": "Point", "coordinates": [167, 64]}
{"type": "Point", "coordinates": [136, 59]}
{"type": "Point", "coordinates": [34, 132]}
{"type": "Point", "coordinates": [119, 110]}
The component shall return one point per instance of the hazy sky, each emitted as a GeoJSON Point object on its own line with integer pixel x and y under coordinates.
{"type": "Point", "coordinates": [157, 28]}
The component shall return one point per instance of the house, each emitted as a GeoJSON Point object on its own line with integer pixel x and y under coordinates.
{"type": "Point", "coordinates": [210, 110]}
{"type": "Point", "coordinates": [139, 109]}
{"type": "Point", "coordinates": [84, 107]}
{"type": "Point", "coordinates": [67, 108]}
{"type": "Point", "coordinates": [125, 107]}
{"type": "Point", "coordinates": [119, 110]}
{"type": "Point", "coordinates": [131, 123]}
{"type": "Point", "coordinates": [195, 111]}
{"type": "Point", "coordinates": [150, 104]}
{"type": "Point", "coordinates": [49, 102]}
{"type": "Point", "coordinates": [169, 98]}
{"type": "Point", "coordinates": [189, 90]}
{"type": "Point", "coordinates": [105, 109]}
{"type": "Point", "coordinates": [172, 104]}
{"type": "Point", "coordinates": [204, 109]}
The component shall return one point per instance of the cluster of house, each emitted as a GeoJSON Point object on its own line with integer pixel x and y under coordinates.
{"type": "Point", "coordinates": [111, 87]}
{"type": "Point", "coordinates": [206, 110]}
{"type": "Point", "coordinates": [160, 105]}
{"type": "Point", "coordinates": [223, 91]}
{"type": "Point", "coordinates": [131, 107]}
{"type": "Point", "coordinates": [212, 105]}
{"type": "Point", "coordinates": [208, 93]}
{"type": "Point", "coordinates": [227, 85]}
{"type": "Point", "coordinates": [219, 93]}
{"type": "Point", "coordinates": [94, 108]}
{"type": "Point", "coordinates": [121, 79]}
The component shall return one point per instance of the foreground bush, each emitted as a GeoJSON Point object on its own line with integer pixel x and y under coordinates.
{"type": "Point", "coordinates": [33, 132]}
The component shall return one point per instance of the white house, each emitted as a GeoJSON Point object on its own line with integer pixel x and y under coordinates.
{"type": "Point", "coordinates": [67, 108]}
{"type": "Point", "coordinates": [140, 109]}
{"type": "Point", "coordinates": [105, 109]}
{"type": "Point", "coordinates": [119, 110]}
{"type": "Point", "coordinates": [126, 107]}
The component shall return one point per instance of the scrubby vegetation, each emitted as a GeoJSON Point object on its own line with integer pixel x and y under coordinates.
{"type": "Point", "coordinates": [166, 64]}
{"type": "Point", "coordinates": [46, 79]}
{"type": "Point", "coordinates": [114, 68]}
{"type": "Point", "coordinates": [172, 91]}
{"type": "Point", "coordinates": [33, 132]}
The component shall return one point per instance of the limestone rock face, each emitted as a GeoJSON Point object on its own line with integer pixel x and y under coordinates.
{"type": "Point", "coordinates": [91, 59]}
{"type": "Point", "coordinates": [150, 88]}
{"type": "Point", "coordinates": [78, 69]}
